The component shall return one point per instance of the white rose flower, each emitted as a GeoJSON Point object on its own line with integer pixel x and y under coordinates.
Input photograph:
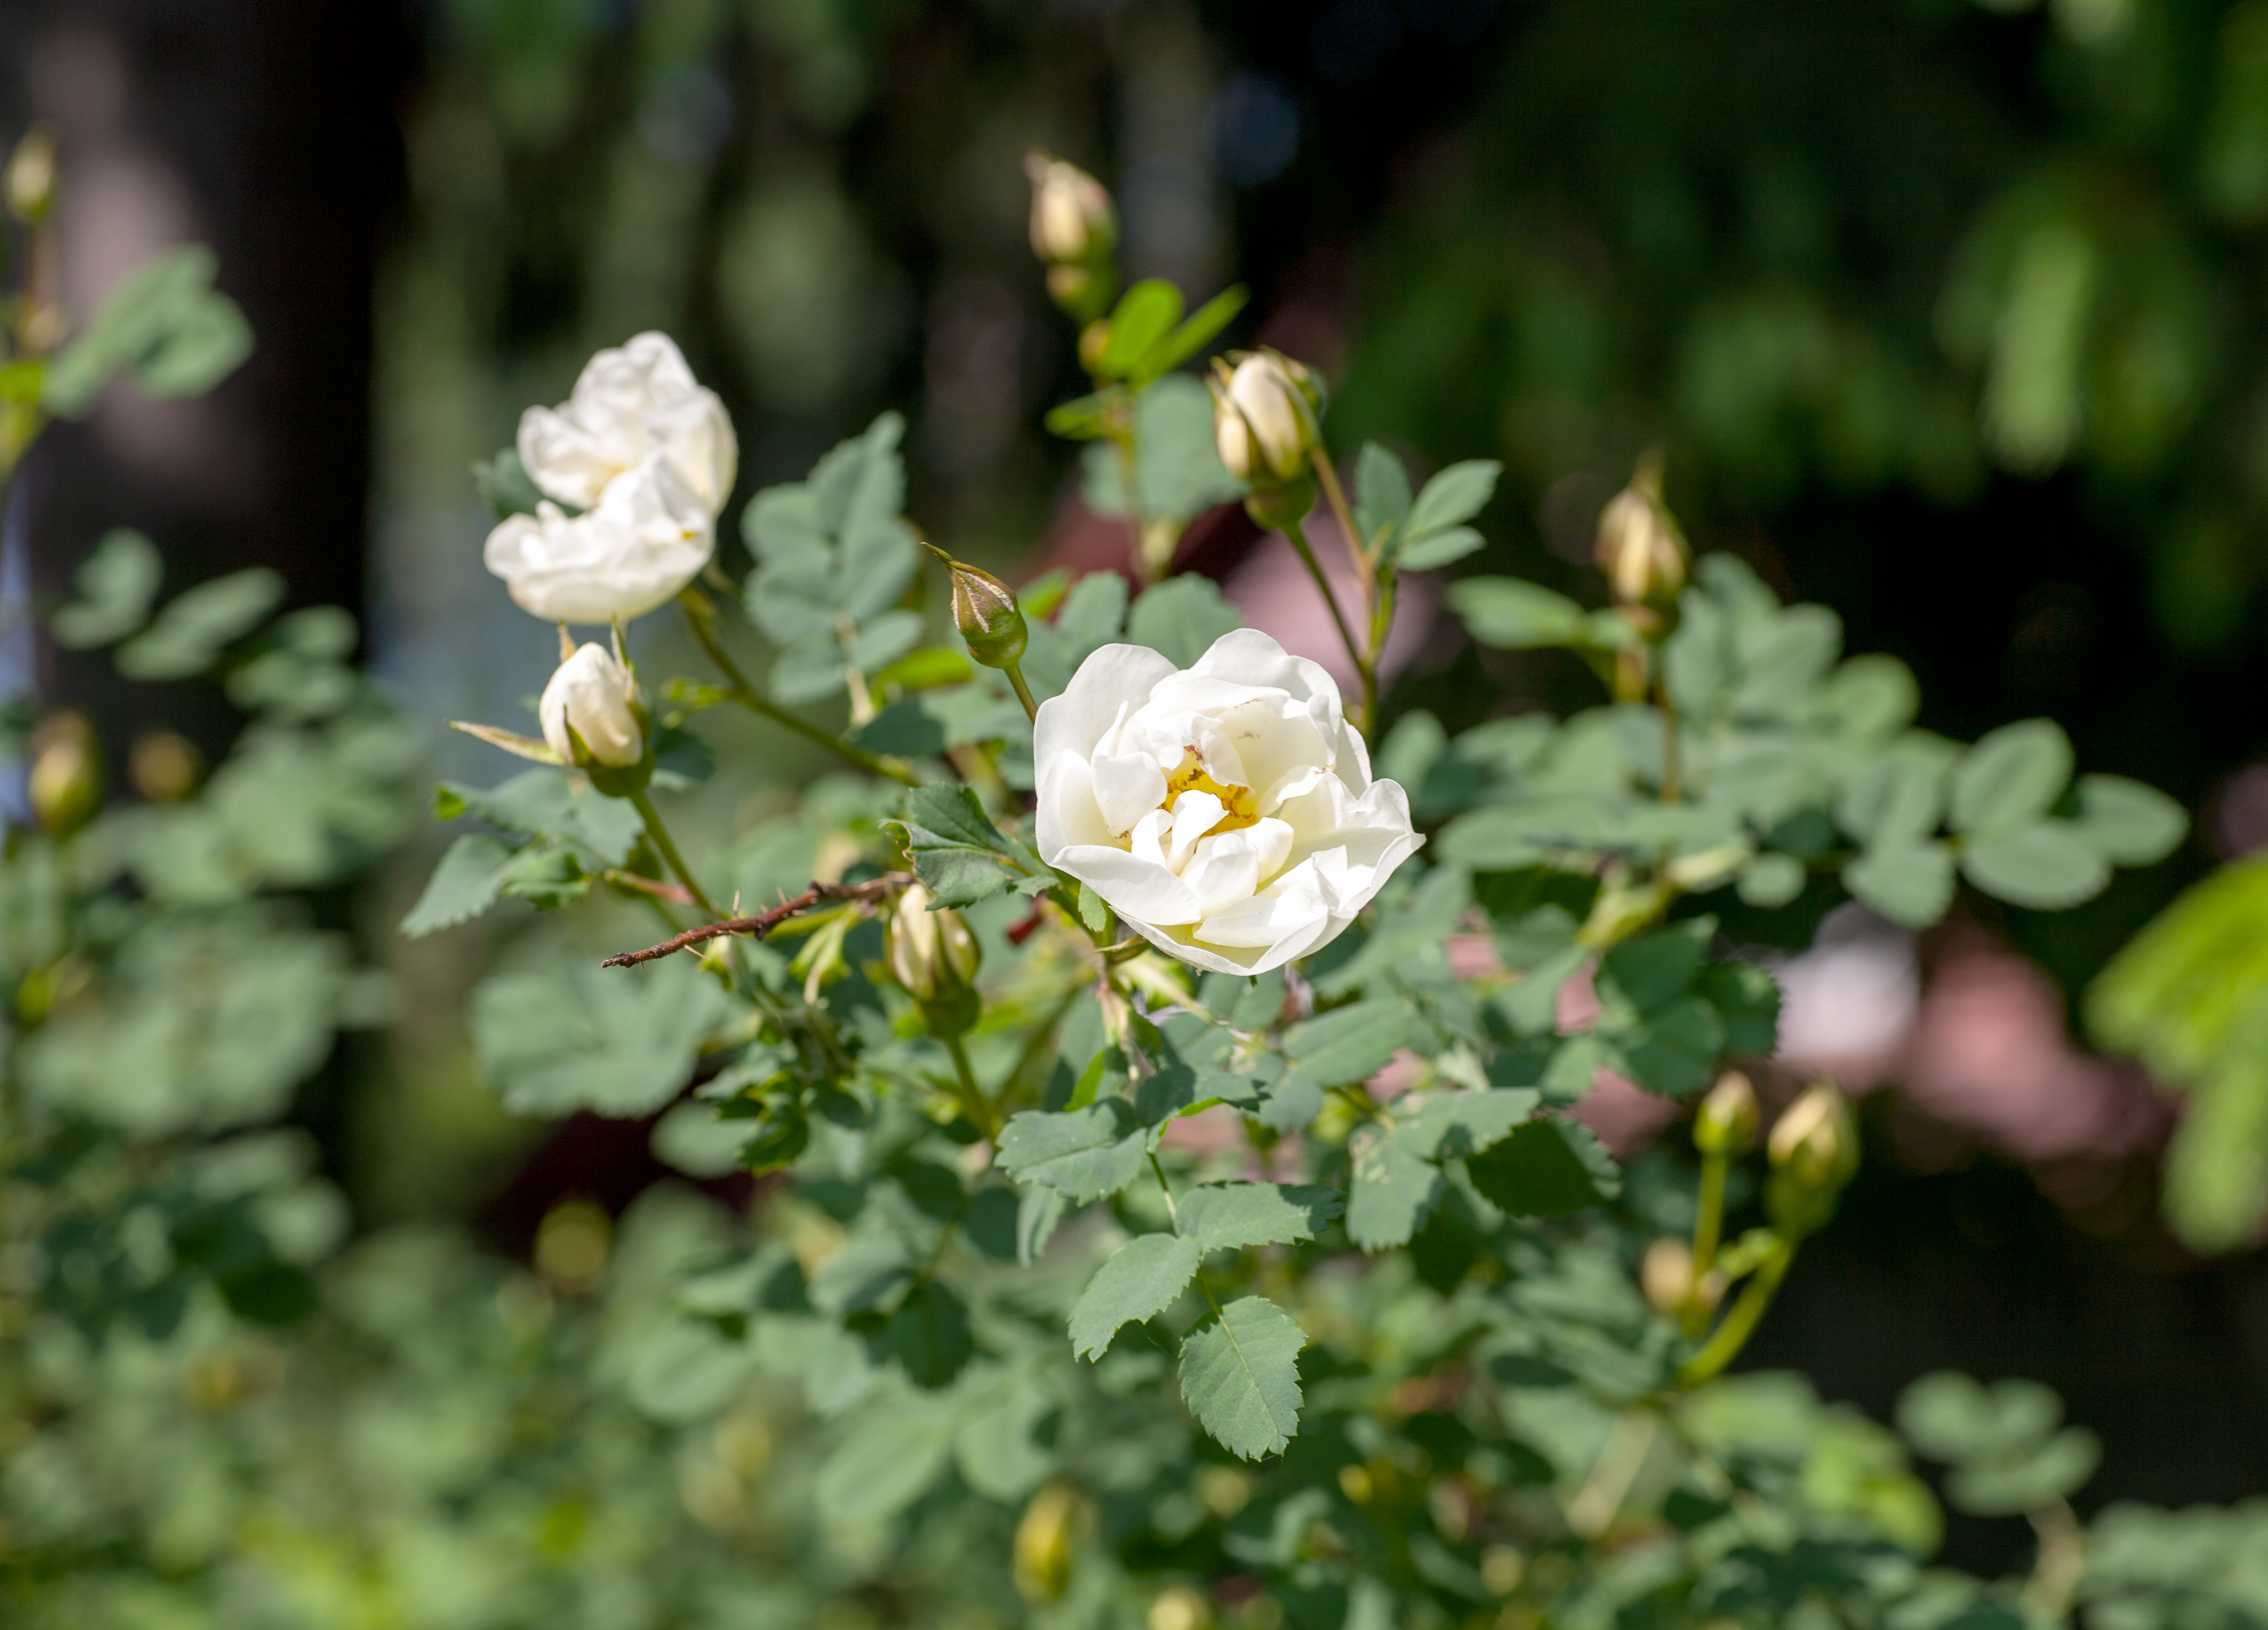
{"type": "Point", "coordinates": [636, 402]}
{"type": "Point", "coordinates": [593, 693]}
{"type": "Point", "coordinates": [646, 540]}
{"type": "Point", "coordinates": [1226, 814]}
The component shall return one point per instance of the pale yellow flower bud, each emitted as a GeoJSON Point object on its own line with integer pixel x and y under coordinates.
{"type": "Point", "coordinates": [1726, 1122]}
{"type": "Point", "coordinates": [591, 712]}
{"type": "Point", "coordinates": [65, 785]}
{"type": "Point", "coordinates": [1071, 218]}
{"type": "Point", "coordinates": [1639, 545]}
{"type": "Point", "coordinates": [1814, 1153]}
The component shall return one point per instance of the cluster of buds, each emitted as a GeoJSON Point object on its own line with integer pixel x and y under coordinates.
{"type": "Point", "coordinates": [594, 718]}
{"type": "Point", "coordinates": [1643, 553]}
{"type": "Point", "coordinates": [1267, 417]}
{"type": "Point", "coordinates": [1813, 1149]}
{"type": "Point", "coordinates": [931, 954]}
{"type": "Point", "coordinates": [1075, 230]}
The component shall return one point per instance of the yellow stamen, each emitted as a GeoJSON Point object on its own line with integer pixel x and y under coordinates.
{"type": "Point", "coordinates": [1241, 803]}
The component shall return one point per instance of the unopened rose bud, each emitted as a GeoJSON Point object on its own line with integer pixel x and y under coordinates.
{"type": "Point", "coordinates": [934, 958]}
{"type": "Point", "coordinates": [1264, 418]}
{"type": "Point", "coordinates": [1726, 1124]}
{"type": "Point", "coordinates": [65, 785]}
{"type": "Point", "coordinates": [1666, 1276]}
{"type": "Point", "coordinates": [31, 178]}
{"type": "Point", "coordinates": [1640, 548]}
{"type": "Point", "coordinates": [1071, 216]}
{"type": "Point", "coordinates": [1178, 1607]}
{"type": "Point", "coordinates": [591, 713]}
{"type": "Point", "coordinates": [1814, 1153]}
{"type": "Point", "coordinates": [1044, 1537]}
{"type": "Point", "coordinates": [985, 610]}
{"type": "Point", "coordinates": [164, 767]}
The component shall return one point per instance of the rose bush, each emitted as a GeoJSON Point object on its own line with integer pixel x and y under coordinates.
{"type": "Point", "coordinates": [1226, 814]}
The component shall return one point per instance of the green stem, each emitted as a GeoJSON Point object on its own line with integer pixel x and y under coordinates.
{"type": "Point", "coordinates": [1354, 650]}
{"type": "Point", "coordinates": [659, 832]}
{"type": "Point", "coordinates": [764, 707]}
{"type": "Point", "coordinates": [1724, 1346]}
{"type": "Point", "coordinates": [1708, 1233]}
{"type": "Point", "coordinates": [1672, 787]}
{"type": "Point", "coordinates": [1172, 1212]}
{"type": "Point", "coordinates": [1023, 692]}
{"type": "Point", "coordinates": [972, 1101]}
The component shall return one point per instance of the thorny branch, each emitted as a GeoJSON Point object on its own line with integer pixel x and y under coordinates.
{"type": "Point", "coordinates": [763, 922]}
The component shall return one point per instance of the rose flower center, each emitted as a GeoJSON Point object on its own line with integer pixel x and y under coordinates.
{"type": "Point", "coordinates": [1242, 804]}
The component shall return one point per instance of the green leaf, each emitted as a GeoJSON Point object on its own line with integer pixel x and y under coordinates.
{"type": "Point", "coordinates": [1512, 613]}
{"type": "Point", "coordinates": [1241, 1376]}
{"type": "Point", "coordinates": [116, 584]}
{"type": "Point", "coordinates": [1083, 1153]}
{"type": "Point", "coordinates": [1440, 1126]}
{"type": "Point", "coordinates": [1547, 1168]}
{"type": "Point", "coordinates": [1438, 549]}
{"type": "Point", "coordinates": [1233, 1217]}
{"type": "Point", "coordinates": [1191, 337]}
{"type": "Point", "coordinates": [1771, 881]}
{"type": "Point", "coordinates": [1382, 496]}
{"type": "Point", "coordinates": [2056, 1469]}
{"type": "Point", "coordinates": [892, 1456]}
{"type": "Point", "coordinates": [1954, 1418]}
{"type": "Point", "coordinates": [1674, 1049]}
{"type": "Point", "coordinates": [960, 855]}
{"type": "Point", "coordinates": [165, 323]}
{"type": "Point", "coordinates": [1094, 913]}
{"type": "Point", "coordinates": [1181, 618]}
{"type": "Point", "coordinates": [1907, 882]}
{"type": "Point", "coordinates": [1654, 968]}
{"type": "Point", "coordinates": [929, 1334]}
{"type": "Point", "coordinates": [2044, 864]}
{"type": "Point", "coordinates": [2010, 777]}
{"type": "Point", "coordinates": [570, 1035]}
{"type": "Point", "coordinates": [1392, 1191]}
{"type": "Point", "coordinates": [1451, 498]}
{"type": "Point", "coordinates": [546, 803]}
{"type": "Point", "coordinates": [1142, 1279]}
{"type": "Point", "coordinates": [194, 627]}
{"type": "Point", "coordinates": [1747, 999]}
{"type": "Point", "coordinates": [687, 1369]}
{"type": "Point", "coordinates": [2127, 823]}
{"type": "Point", "coordinates": [997, 1447]}
{"type": "Point", "coordinates": [1895, 797]}
{"type": "Point", "coordinates": [1145, 314]}
{"type": "Point", "coordinates": [507, 488]}
{"type": "Point", "coordinates": [462, 886]}
{"type": "Point", "coordinates": [1349, 1044]}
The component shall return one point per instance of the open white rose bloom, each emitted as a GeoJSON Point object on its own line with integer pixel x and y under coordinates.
{"type": "Point", "coordinates": [1227, 813]}
{"type": "Point", "coordinates": [648, 455]}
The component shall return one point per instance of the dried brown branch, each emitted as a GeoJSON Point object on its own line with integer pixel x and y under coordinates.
{"type": "Point", "coordinates": [763, 922]}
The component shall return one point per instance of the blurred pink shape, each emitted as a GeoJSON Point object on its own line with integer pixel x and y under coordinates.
{"type": "Point", "coordinates": [1989, 1056]}
{"type": "Point", "coordinates": [1847, 1005]}
{"type": "Point", "coordinates": [1271, 587]}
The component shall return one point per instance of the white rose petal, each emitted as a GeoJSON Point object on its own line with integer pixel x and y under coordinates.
{"type": "Point", "coordinates": [1226, 814]}
{"type": "Point", "coordinates": [633, 403]}
{"type": "Point", "coordinates": [593, 693]}
{"type": "Point", "coordinates": [646, 540]}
